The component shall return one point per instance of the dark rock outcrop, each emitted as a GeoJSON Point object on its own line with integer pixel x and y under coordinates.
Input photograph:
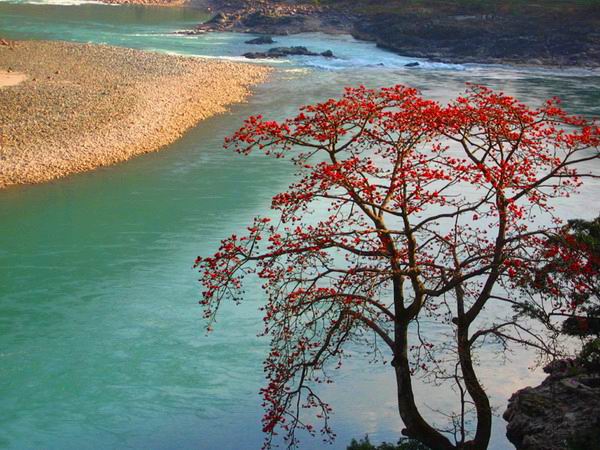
{"type": "Point", "coordinates": [451, 33]}
{"type": "Point", "coordinates": [483, 39]}
{"type": "Point", "coordinates": [261, 40]}
{"type": "Point", "coordinates": [412, 64]}
{"type": "Point", "coordinates": [564, 409]}
{"type": "Point", "coordinates": [281, 52]}
{"type": "Point", "coordinates": [273, 18]}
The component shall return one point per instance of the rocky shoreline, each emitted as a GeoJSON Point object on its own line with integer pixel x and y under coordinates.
{"type": "Point", "coordinates": [81, 106]}
{"type": "Point", "coordinates": [148, 2]}
{"type": "Point", "coordinates": [555, 35]}
{"type": "Point", "coordinates": [563, 412]}
{"type": "Point", "coordinates": [453, 35]}
{"type": "Point", "coordinates": [274, 18]}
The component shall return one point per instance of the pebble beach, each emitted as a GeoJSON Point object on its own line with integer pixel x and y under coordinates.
{"type": "Point", "coordinates": [70, 108]}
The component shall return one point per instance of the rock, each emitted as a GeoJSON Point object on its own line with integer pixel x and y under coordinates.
{"type": "Point", "coordinates": [284, 51]}
{"type": "Point", "coordinates": [412, 64]}
{"type": "Point", "coordinates": [280, 52]}
{"type": "Point", "coordinates": [565, 407]}
{"type": "Point", "coordinates": [256, 55]}
{"type": "Point", "coordinates": [457, 35]}
{"type": "Point", "coordinates": [261, 40]}
{"type": "Point", "coordinates": [219, 18]}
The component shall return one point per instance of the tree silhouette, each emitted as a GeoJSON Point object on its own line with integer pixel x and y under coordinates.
{"type": "Point", "coordinates": [403, 210]}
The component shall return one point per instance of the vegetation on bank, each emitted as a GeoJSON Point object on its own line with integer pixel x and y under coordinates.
{"type": "Point", "coordinates": [403, 444]}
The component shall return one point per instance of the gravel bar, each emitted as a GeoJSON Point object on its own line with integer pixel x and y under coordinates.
{"type": "Point", "coordinates": [82, 106]}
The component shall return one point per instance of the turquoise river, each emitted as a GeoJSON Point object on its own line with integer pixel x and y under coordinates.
{"type": "Point", "coordinates": [101, 337]}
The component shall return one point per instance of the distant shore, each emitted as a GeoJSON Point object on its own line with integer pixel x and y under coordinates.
{"type": "Point", "coordinates": [555, 34]}
{"type": "Point", "coordinates": [549, 33]}
{"type": "Point", "coordinates": [67, 108]}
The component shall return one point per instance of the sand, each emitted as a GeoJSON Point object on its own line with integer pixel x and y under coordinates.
{"type": "Point", "coordinates": [11, 78]}
{"type": "Point", "coordinates": [80, 106]}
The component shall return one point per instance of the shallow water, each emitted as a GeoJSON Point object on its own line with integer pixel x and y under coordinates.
{"type": "Point", "coordinates": [101, 339]}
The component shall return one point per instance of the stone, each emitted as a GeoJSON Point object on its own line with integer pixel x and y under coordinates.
{"type": "Point", "coordinates": [566, 406]}
{"type": "Point", "coordinates": [297, 51]}
{"type": "Point", "coordinates": [219, 18]}
{"type": "Point", "coordinates": [261, 40]}
{"type": "Point", "coordinates": [280, 52]}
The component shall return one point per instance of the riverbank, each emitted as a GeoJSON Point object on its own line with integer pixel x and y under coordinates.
{"type": "Point", "coordinates": [562, 412]}
{"type": "Point", "coordinates": [149, 2]}
{"type": "Point", "coordinates": [545, 33]}
{"type": "Point", "coordinates": [79, 106]}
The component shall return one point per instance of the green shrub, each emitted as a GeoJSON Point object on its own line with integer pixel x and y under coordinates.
{"type": "Point", "coordinates": [590, 355]}
{"type": "Point", "coordinates": [403, 444]}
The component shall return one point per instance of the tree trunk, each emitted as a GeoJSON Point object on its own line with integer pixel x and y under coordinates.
{"type": "Point", "coordinates": [476, 392]}
{"type": "Point", "coordinates": [416, 427]}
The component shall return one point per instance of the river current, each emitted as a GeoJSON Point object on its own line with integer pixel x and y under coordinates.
{"type": "Point", "coordinates": [101, 337]}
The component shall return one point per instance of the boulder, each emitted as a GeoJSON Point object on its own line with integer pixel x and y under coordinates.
{"type": "Point", "coordinates": [296, 51]}
{"type": "Point", "coordinates": [261, 40]}
{"type": "Point", "coordinates": [412, 64]}
{"type": "Point", "coordinates": [256, 55]}
{"type": "Point", "coordinates": [219, 18]}
{"type": "Point", "coordinates": [564, 409]}
{"type": "Point", "coordinates": [280, 52]}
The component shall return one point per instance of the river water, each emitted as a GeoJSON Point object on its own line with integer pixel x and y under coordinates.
{"type": "Point", "coordinates": [101, 338]}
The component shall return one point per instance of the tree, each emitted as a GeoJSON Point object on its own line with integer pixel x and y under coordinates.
{"type": "Point", "coordinates": [404, 209]}
{"type": "Point", "coordinates": [565, 284]}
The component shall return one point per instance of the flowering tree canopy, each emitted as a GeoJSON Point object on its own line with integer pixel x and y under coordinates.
{"type": "Point", "coordinates": [403, 209]}
{"type": "Point", "coordinates": [568, 276]}
{"type": "Point", "coordinates": [566, 285]}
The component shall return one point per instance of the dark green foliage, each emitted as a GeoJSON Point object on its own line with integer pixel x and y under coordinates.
{"type": "Point", "coordinates": [579, 237]}
{"type": "Point", "coordinates": [574, 272]}
{"type": "Point", "coordinates": [403, 444]}
{"type": "Point", "coordinates": [590, 356]}
{"type": "Point", "coordinates": [587, 327]}
{"type": "Point", "coordinates": [587, 233]}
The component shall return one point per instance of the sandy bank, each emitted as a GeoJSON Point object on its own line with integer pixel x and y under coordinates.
{"type": "Point", "coordinates": [82, 106]}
